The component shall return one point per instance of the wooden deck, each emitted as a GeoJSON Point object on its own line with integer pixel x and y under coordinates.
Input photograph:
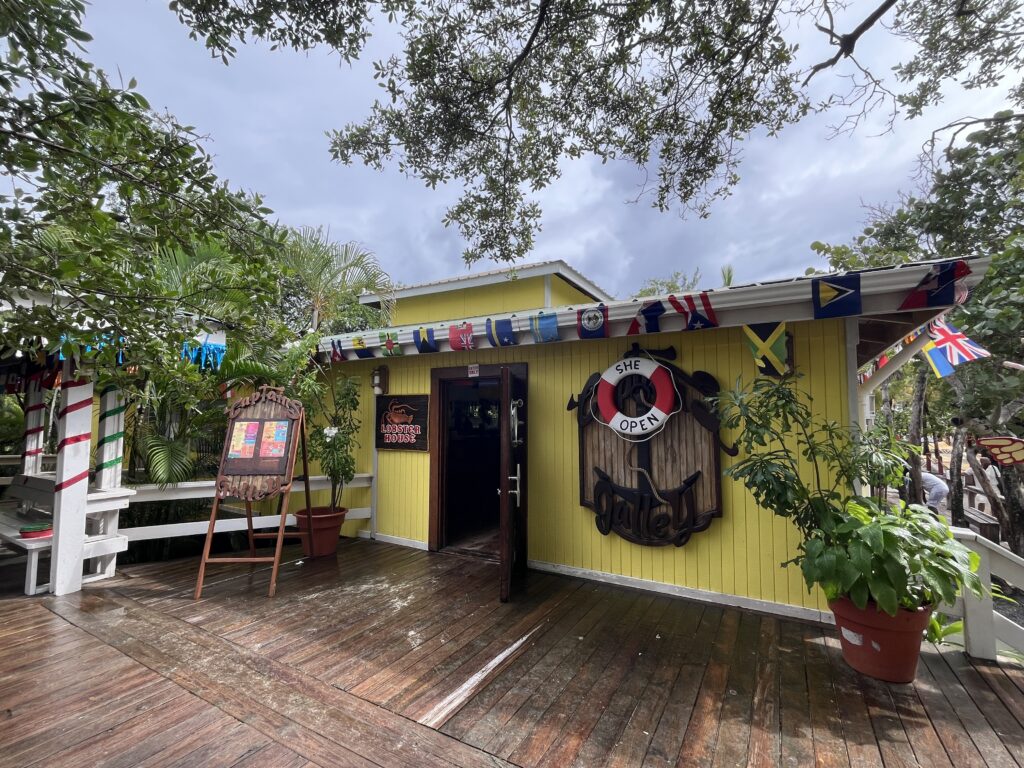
{"type": "Point", "coordinates": [396, 657]}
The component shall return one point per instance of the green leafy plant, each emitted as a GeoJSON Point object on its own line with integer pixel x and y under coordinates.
{"type": "Point", "coordinates": [333, 409]}
{"type": "Point", "coordinates": [860, 546]}
{"type": "Point", "coordinates": [941, 628]}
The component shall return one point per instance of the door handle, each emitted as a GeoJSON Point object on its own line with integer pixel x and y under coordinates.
{"type": "Point", "coordinates": [514, 422]}
{"type": "Point", "coordinates": [511, 490]}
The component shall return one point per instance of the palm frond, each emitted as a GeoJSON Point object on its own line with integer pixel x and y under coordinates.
{"type": "Point", "coordinates": [332, 274]}
{"type": "Point", "coordinates": [167, 460]}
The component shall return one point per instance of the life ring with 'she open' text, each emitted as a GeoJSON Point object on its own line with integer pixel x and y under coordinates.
{"type": "Point", "coordinates": [645, 425]}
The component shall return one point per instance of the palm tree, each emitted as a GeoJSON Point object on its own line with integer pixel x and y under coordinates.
{"type": "Point", "coordinates": [320, 284]}
{"type": "Point", "coordinates": [327, 279]}
{"type": "Point", "coordinates": [727, 275]}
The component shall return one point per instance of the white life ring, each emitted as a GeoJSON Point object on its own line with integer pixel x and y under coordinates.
{"type": "Point", "coordinates": [648, 424]}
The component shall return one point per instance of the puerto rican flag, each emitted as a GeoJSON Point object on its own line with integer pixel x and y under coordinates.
{"type": "Point", "coordinates": [696, 317]}
{"type": "Point", "coordinates": [954, 344]}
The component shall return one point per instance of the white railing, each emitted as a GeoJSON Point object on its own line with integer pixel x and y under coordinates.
{"type": "Point", "coordinates": [984, 627]}
{"type": "Point", "coordinates": [14, 460]}
{"type": "Point", "coordinates": [204, 489]}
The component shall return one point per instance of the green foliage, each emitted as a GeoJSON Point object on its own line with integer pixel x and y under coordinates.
{"type": "Point", "coordinates": [806, 470]}
{"type": "Point", "coordinates": [323, 282]}
{"type": "Point", "coordinates": [495, 95]}
{"type": "Point", "coordinates": [727, 275]}
{"type": "Point", "coordinates": [975, 206]}
{"type": "Point", "coordinates": [942, 627]}
{"type": "Point", "coordinates": [12, 425]}
{"type": "Point", "coordinates": [168, 459]}
{"type": "Point", "coordinates": [677, 282]}
{"type": "Point", "coordinates": [334, 428]}
{"type": "Point", "coordinates": [899, 556]}
{"type": "Point", "coordinates": [99, 185]}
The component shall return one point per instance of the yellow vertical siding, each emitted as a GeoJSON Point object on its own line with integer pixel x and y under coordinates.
{"type": "Point", "coordinates": [740, 554]}
{"type": "Point", "coordinates": [509, 295]}
{"type": "Point", "coordinates": [565, 294]}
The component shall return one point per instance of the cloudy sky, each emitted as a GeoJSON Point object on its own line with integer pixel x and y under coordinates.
{"type": "Point", "coordinates": [266, 115]}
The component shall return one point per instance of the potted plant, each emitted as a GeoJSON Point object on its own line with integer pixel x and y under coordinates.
{"type": "Point", "coordinates": [331, 410]}
{"type": "Point", "coordinates": [883, 566]}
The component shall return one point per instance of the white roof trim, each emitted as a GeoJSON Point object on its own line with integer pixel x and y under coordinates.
{"type": "Point", "coordinates": [882, 292]}
{"type": "Point", "coordinates": [495, 277]}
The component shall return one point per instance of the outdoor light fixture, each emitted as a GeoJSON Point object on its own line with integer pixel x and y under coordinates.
{"type": "Point", "coordinates": [379, 380]}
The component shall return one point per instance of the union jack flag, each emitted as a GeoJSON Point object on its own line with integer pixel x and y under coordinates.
{"type": "Point", "coordinates": [956, 346]}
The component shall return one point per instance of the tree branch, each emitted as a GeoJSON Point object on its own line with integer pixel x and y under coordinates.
{"type": "Point", "coordinates": [848, 42]}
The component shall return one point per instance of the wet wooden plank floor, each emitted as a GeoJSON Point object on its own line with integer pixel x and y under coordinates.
{"type": "Point", "coordinates": [395, 657]}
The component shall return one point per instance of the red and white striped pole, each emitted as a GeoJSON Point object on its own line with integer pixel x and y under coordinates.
{"type": "Point", "coordinates": [71, 488]}
{"type": "Point", "coordinates": [35, 416]}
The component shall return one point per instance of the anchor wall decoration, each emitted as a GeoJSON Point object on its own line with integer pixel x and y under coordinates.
{"type": "Point", "coordinates": [650, 449]}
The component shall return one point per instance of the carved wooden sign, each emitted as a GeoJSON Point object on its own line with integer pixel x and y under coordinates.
{"type": "Point", "coordinates": [259, 453]}
{"type": "Point", "coordinates": [650, 462]}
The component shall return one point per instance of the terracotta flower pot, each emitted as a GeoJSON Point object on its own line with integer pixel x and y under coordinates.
{"type": "Point", "coordinates": [877, 644]}
{"type": "Point", "coordinates": [326, 530]}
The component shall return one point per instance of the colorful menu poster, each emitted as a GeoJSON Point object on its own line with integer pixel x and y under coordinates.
{"type": "Point", "coordinates": [274, 440]}
{"type": "Point", "coordinates": [243, 440]}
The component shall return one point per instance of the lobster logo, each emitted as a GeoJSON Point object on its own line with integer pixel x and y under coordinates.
{"type": "Point", "coordinates": [397, 423]}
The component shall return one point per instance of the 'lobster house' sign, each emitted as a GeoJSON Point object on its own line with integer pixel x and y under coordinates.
{"type": "Point", "coordinates": [401, 423]}
{"type": "Point", "coordinates": [650, 465]}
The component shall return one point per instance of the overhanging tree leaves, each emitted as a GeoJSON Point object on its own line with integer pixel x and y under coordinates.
{"type": "Point", "coordinates": [96, 184]}
{"type": "Point", "coordinates": [975, 207]}
{"type": "Point", "coordinates": [495, 95]}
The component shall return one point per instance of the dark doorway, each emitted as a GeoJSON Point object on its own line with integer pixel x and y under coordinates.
{"type": "Point", "coordinates": [471, 446]}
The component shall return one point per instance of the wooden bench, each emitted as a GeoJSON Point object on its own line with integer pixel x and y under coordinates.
{"type": "Point", "coordinates": [982, 523]}
{"type": "Point", "coordinates": [11, 522]}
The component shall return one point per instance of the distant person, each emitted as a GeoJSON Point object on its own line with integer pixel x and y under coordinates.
{"type": "Point", "coordinates": [993, 474]}
{"type": "Point", "coordinates": [935, 491]}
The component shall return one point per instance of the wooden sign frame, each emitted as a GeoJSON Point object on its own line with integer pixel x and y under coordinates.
{"type": "Point", "coordinates": [402, 423]}
{"type": "Point", "coordinates": [618, 477]}
{"type": "Point", "coordinates": [266, 471]}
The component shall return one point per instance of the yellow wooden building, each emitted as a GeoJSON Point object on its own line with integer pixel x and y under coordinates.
{"type": "Point", "coordinates": [448, 492]}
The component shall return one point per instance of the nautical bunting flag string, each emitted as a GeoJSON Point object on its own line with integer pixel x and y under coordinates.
{"type": "Point", "coordinates": [544, 327]}
{"type": "Point", "coordinates": [770, 345]}
{"type": "Point", "coordinates": [500, 333]}
{"type": "Point", "coordinates": [836, 296]}
{"type": "Point", "coordinates": [696, 318]}
{"type": "Point", "coordinates": [648, 318]}
{"type": "Point", "coordinates": [206, 350]}
{"type": "Point", "coordinates": [423, 338]}
{"type": "Point", "coordinates": [702, 317]}
{"type": "Point", "coordinates": [359, 347]}
{"type": "Point", "coordinates": [938, 288]}
{"type": "Point", "coordinates": [460, 337]}
{"type": "Point", "coordinates": [337, 353]}
{"type": "Point", "coordinates": [592, 323]}
{"type": "Point", "coordinates": [389, 346]}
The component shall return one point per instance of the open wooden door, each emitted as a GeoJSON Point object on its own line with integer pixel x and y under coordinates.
{"type": "Point", "coordinates": [512, 485]}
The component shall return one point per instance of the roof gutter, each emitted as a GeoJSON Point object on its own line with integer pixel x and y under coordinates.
{"type": "Point", "coordinates": [882, 292]}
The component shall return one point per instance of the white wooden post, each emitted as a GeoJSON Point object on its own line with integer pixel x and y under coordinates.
{"type": "Point", "coordinates": [110, 439]}
{"type": "Point", "coordinates": [979, 620]}
{"type": "Point", "coordinates": [109, 458]}
{"type": "Point", "coordinates": [375, 480]}
{"type": "Point", "coordinates": [35, 415]}
{"type": "Point", "coordinates": [71, 487]}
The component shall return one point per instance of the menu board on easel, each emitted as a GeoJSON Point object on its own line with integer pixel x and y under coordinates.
{"type": "Point", "coordinates": [259, 451]}
{"type": "Point", "coordinates": [265, 430]}
{"type": "Point", "coordinates": [258, 447]}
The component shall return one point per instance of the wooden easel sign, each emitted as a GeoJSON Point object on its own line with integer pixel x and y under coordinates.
{"type": "Point", "coordinates": [264, 432]}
